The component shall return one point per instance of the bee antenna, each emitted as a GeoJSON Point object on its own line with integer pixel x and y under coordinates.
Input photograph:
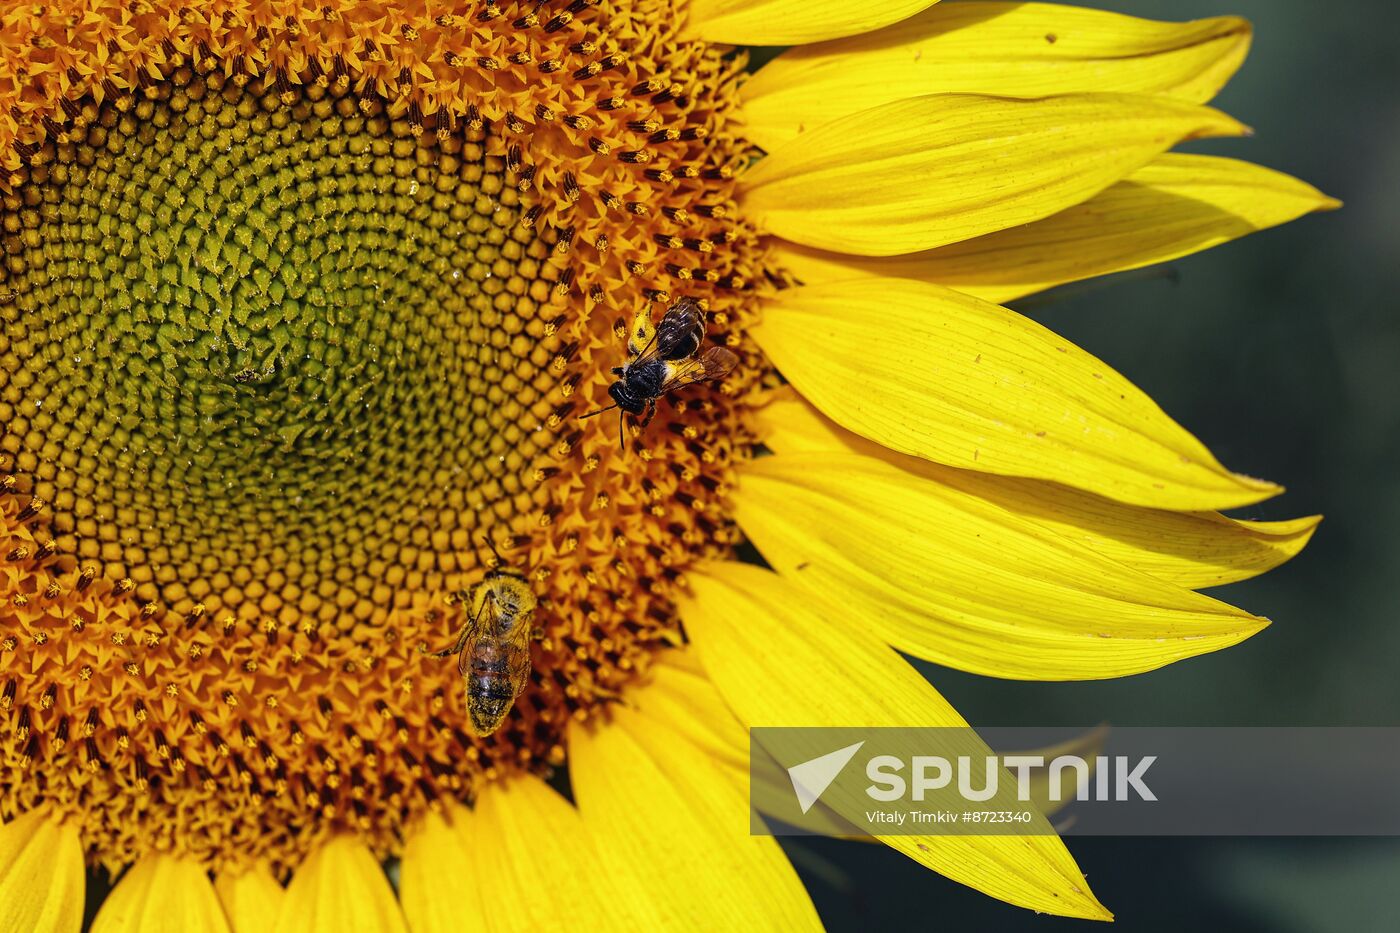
{"type": "Point", "coordinates": [486, 540]}
{"type": "Point", "coordinates": [598, 411]}
{"type": "Point", "coordinates": [621, 432]}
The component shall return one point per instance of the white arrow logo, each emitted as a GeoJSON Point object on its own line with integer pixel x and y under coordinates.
{"type": "Point", "coordinates": [811, 778]}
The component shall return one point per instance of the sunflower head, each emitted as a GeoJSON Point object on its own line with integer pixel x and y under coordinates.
{"type": "Point", "coordinates": [298, 315]}
{"type": "Point", "coordinates": [304, 311]}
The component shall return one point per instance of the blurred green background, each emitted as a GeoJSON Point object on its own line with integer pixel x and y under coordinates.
{"type": "Point", "coordinates": [1282, 353]}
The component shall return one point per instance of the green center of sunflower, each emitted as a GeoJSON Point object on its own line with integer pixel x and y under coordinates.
{"type": "Point", "coordinates": [275, 357]}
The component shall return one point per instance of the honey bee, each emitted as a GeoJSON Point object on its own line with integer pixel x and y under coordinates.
{"type": "Point", "coordinates": [493, 648]}
{"type": "Point", "coordinates": [664, 357]}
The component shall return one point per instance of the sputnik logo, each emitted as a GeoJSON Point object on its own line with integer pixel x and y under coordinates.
{"type": "Point", "coordinates": [811, 778]}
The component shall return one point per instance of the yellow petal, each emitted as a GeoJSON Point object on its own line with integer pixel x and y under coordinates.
{"type": "Point", "coordinates": [928, 371]}
{"type": "Point", "coordinates": [538, 843]}
{"type": "Point", "coordinates": [956, 579]}
{"type": "Point", "coordinates": [250, 900]}
{"type": "Point", "coordinates": [658, 804]}
{"type": "Point", "coordinates": [1190, 549]}
{"type": "Point", "coordinates": [928, 171]}
{"type": "Point", "coordinates": [1176, 205]}
{"type": "Point", "coordinates": [684, 699]}
{"type": "Point", "coordinates": [681, 698]}
{"type": "Point", "coordinates": [162, 894]}
{"type": "Point", "coordinates": [778, 662]}
{"type": "Point", "coordinates": [41, 875]}
{"type": "Point", "coordinates": [997, 49]}
{"type": "Point", "coordinates": [790, 22]}
{"type": "Point", "coordinates": [526, 858]}
{"type": "Point", "coordinates": [340, 888]}
{"type": "Point", "coordinates": [438, 876]}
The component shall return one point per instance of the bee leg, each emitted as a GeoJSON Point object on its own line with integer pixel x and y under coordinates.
{"type": "Point", "coordinates": [606, 694]}
{"type": "Point", "coordinates": [651, 413]}
{"type": "Point", "coordinates": [455, 649]}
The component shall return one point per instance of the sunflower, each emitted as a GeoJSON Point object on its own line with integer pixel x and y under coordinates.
{"type": "Point", "coordinates": [303, 303]}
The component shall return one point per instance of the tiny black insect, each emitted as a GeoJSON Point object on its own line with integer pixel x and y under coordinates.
{"type": "Point", "coordinates": [664, 357]}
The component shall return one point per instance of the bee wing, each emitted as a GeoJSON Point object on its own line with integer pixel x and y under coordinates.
{"type": "Point", "coordinates": [678, 335]}
{"type": "Point", "coordinates": [464, 658]}
{"type": "Point", "coordinates": [684, 309]}
{"type": "Point", "coordinates": [712, 365]}
{"type": "Point", "coordinates": [519, 664]}
{"type": "Point", "coordinates": [514, 641]}
{"type": "Point", "coordinates": [470, 641]}
{"type": "Point", "coordinates": [681, 330]}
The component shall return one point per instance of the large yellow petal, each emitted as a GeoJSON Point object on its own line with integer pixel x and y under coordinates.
{"type": "Point", "coordinates": [535, 841]}
{"type": "Point", "coordinates": [439, 878]}
{"type": "Point", "coordinates": [997, 49]}
{"type": "Point", "coordinates": [684, 699]}
{"type": "Point", "coordinates": [959, 580]}
{"type": "Point", "coordinates": [779, 662]}
{"type": "Point", "coordinates": [340, 888]}
{"type": "Point", "coordinates": [932, 372]}
{"type": "Point", "coordinates": [680, 697]}
{"type": "Point", "coordinates": [251, 899]}
{"type": "Point", "coordinates": [41, 875]}
{"type": "Point", "coordinates": [660, 805]}
{"type": "Point", "coordinates": [162, 894]}
{"type": "Point", "coordinates": [523, 860]}
{"type": "Point", "coordinates": [790, 22]}
{"type": "Point", "coordinates": [1190, 549]}
{"type": "Point", "coordinates": [1175, 205]}
{"type": "Point", "coordinates": [928, 171]}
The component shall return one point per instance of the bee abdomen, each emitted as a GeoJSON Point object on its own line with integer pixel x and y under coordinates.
{"type": "Point", "coordinates": [490, 686]}
{"type": "Point", "coordinates": [489, 698]}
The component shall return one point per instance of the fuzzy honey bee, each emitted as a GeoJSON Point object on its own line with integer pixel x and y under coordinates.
{"type": "Point", "coordinates": [664, 357]}
{"type": "Point", "coordinates": [493, 648]}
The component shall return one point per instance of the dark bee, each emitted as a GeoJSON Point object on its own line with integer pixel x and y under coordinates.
{"type": "Point", "coordinates": [664, 357]}
{"type": "Point", "coordinates": [493, 648]}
